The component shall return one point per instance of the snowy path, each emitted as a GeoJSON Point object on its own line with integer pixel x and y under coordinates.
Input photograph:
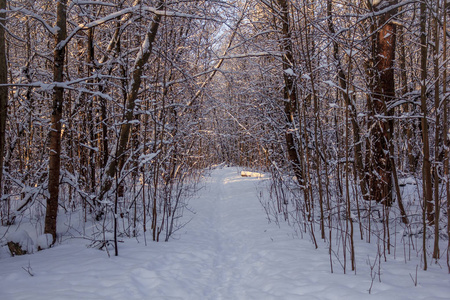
{"type": "Point", "coordinates": [227, 251]}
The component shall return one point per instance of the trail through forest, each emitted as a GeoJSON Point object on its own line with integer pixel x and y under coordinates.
{"type": "Point", "coordinates": [226, 250]}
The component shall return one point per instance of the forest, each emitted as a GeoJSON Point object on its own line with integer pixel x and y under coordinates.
{"type": "Point", "coordinates": [112, 111]}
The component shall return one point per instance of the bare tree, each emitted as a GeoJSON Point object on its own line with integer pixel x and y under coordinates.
{"type": "Point", "coordinates": [383, 94]}
{"type": "Point", "coordinates": [438, 145]}
{"type": "Point", "coordinates": [445, 128]}
{"type": "Point", "coordinates": [3, 90]}
{"type": "Point", "coordinates": [57, 111]}
{"type": "Point", "coordinates": [290, 89]}
{"type": "Point", "coordinates": [344, 89]}
{"type": "Point", "coordinates": [143, 55]}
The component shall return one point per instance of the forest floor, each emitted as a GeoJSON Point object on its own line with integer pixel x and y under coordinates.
{"type": "Point", "coordinates": [226, 250]}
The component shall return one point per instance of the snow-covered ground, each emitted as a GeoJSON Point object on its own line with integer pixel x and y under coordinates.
{"type": "Point", "coordinates": [228, 250]}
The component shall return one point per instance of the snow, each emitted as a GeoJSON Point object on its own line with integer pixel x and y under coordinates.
{"type": "Point", "coordinates": [22, 238]}
{"type": "Point", "coordinates": [406, 180]}
{"type": "Point", "coordinates": [251, 174]}
{"type": "Point", "coordinates": [147, 158]}
{"type": "Point", "coordinates": [44, 241]}
{"type": "Point", "coordinates": [290, 72]}
{"type": "Point", "coordinates": [250, 54]}
{"type": "Point", "coordinates": [331, 84]}
{"type": "Point", "coordinates": [52, 30]}
{"type": "Point", "coordinates": [226, 250]}
{"type": "Point", "coordinates": [334, 105]}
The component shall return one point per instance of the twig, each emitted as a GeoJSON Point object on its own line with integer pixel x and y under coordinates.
{"type": "Point", "coordinates": [28, 269]}
{"type": "Point", "coordinates": [414, 279]}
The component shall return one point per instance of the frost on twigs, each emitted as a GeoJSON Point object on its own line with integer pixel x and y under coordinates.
{"type": "Point", "coordinates": [20, 243]}
{"type": "Point", "coordinates": [290, 72]}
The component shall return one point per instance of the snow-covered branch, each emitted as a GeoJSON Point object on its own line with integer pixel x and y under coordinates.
{"type": "Point", "coordinates": [252, 54]}
{"type": "Point", "coordinates": [51, 29]}
{"type": "Point", "coordinates": [128, 10]}
{"type": "Point", "coordinates": [79, 2]}
{"type": "Point", "coordinates": [385, 10]}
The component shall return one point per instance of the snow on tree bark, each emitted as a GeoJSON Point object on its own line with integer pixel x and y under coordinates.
{"type": "Point", "coordinates": [55, 130]}
{"type": "Point", "coordinates": [3, 90]}
{"type": "Point", "coordinates": [383, 93]}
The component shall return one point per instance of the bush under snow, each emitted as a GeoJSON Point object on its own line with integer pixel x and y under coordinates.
{"type": "Point", "coordinates": [22, 240]}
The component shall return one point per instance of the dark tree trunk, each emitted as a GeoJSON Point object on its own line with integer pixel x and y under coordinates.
{"type": "Point", "coordinates": [290, 92]}
{"type": "Point", "coordinates": [3, 89]}
{"type": "Point", "coordinates": [91, 112]}
{"type": "Point", "coordinates": [55, 130]}
{"type": "Point", "coordinates": [426, 169]}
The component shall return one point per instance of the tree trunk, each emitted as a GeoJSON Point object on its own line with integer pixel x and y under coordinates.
{"type": "Point", "coordinates": [290, 92]}
{"type": "Point", "coordinates": [3, 90]}
{"type": "Point", "coordinates": [426, 169]}
{"type": "Point", "coordinates": [438, 139]}
{"type": "Point", "coordinates": [445, 133]}
{"type": "Point", "coordinates": [412, 160]}
{"type": "Point", "coordinates": [379, 177]}
{"type": "Point", "coordinates": [55, 130]}
{"type": "Point", "coordinates": [91, 112]}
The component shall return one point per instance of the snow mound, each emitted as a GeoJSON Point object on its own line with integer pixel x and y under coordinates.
{"type": "Point", "coordinates": [44, 241]}
{"type": "Point", "coordinates": [407, 180]}
{"type": "Point", "coordinates": [21, 238]}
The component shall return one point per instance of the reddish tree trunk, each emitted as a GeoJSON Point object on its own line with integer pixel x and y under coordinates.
{"type": "Point", "coordinates": [380, 177]}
